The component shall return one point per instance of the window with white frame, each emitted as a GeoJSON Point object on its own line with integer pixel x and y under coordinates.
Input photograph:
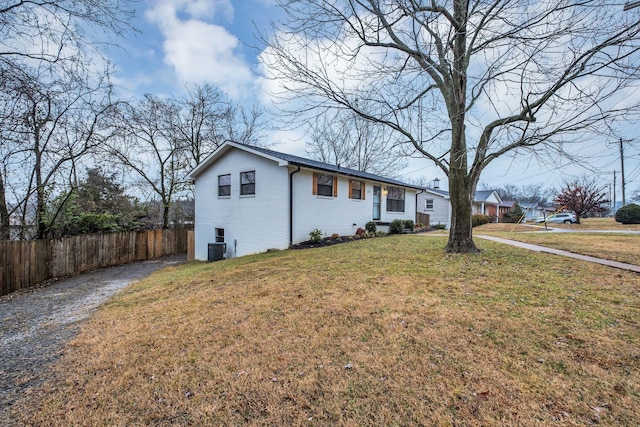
{"type": "Point", "coordinates": [224, 185]}
{"type": "Point", "coordinates": [428, 205]}
{"type": "Point", "coordinates": [247, 183]}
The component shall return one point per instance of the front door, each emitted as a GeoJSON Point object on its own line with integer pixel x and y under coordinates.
{"type": "Point", "coordinates": [376, 202]}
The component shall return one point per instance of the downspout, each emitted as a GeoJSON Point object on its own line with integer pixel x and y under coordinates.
{"type": "Point", "coordinates": [416, 215]}
{"type": "Point", "coordinates": [291, 204]}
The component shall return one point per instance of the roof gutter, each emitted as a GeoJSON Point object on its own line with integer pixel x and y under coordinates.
{"type": "Point", "coordinates": [291, 204]}
{"type": "Point", "coordinates": [346, 172]}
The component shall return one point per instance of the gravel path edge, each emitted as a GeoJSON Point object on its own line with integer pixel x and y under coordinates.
{"type": "Point", "coordinates": [37, 323]}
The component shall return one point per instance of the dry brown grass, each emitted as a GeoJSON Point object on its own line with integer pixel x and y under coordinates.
{"type": "Point", "coordinates": [613, 246]}
{"type": "Point", "coordinates": [598, 224]}
{"type": "Point", "coordinates": [585, 225]}
{"type": "Point", "coordinates": [505, 227]}
{"type": "Point", "coordinates": [377, 332]}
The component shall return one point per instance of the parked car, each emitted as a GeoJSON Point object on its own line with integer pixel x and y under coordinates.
{"type": "Point", "coordinates": [561, 218]}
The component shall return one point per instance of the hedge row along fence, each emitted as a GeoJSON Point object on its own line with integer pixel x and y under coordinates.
{"type": "Point", "coordinates": [28, 263]}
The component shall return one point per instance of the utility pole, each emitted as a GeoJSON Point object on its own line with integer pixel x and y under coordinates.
{"type": "Point", "coordinates": [614, 190]}
{"type": "Point", "coordinates": [622, 170]}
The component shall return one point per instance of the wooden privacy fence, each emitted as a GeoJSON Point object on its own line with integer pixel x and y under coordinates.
{"type": "Point", "coordinates": [27, 263]}
{"type": "Point", "coordinates": [423, 218]}
{"type": "Point", "coordinates": [191, 246]}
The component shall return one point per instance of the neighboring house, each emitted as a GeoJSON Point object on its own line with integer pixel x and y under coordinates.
{"type": "Point", "coordinates": [255, 199]}
{"type": "Point", "coordinates": [22, 231]}
{"type": "Point", "coordinates": [534, 210]}
{"type": "Point", "coordinates": [435, 203]}
{"type": "Point", "coordinates": [486, 202]}
{"type": "Point", "coordinates": [506, 207]}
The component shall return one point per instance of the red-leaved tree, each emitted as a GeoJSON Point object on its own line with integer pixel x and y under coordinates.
{"type": "Point", "coordinates": [583, 196]}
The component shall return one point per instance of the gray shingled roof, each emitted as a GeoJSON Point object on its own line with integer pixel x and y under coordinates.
{"type": "Point", "coordinates": [483, 195]}
{"type": "Point", "coordinates": [314, 164]}
{"type": "Point", "coordinates": [443, 193]}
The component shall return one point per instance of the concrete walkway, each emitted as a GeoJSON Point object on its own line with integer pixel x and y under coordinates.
{"type": "Point", "coordinates": [536, 248]}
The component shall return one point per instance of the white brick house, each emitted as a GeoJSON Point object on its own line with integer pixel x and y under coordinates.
{"type": "Point", "coordinates": [255, 199]}
{"type": "Point", "coordinates": [435, 203]}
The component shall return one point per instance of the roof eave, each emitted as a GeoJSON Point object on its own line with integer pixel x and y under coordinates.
{"type": "Point", "coordinates": [225, 147]}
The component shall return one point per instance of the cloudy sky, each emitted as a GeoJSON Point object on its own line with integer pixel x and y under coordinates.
{"type": "Point", "coordinates": [214, 41]}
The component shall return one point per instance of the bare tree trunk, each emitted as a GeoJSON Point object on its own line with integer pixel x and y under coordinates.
{"type": "Point", "coordinates": [461, 188]}
{"type": "Point", "coordinates": [165, 215]}
{"type": "Point", "coordinates": [41, 203]}
{"type": "Point", "coordinates": [4, 213]}
{"type": "Point", "coordinates": [460, 232]}
{"type": "Point", "coordinates": [461, 193]}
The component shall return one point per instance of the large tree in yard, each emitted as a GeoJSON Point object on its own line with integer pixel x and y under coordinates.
{"type": "Point", "coordinates": [583, 196]}
{"type": "Point", "coordinates": [463, 82]}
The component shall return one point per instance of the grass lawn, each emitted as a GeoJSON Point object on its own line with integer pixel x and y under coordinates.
{"type": "Point", "coordinates": [613, 246]}
{"type": "Point", "coordinates": [597, 224]}
{"type": "Point", "coordinates": [586, 224]}
{"type": "Point", "coordinates": [384, 332]}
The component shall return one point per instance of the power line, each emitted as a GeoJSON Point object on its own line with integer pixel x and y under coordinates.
{"type": "Point", "coordinates": [631, 5]}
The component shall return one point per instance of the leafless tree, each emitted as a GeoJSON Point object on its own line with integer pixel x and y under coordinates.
{"type": "Point", "coordinates": [529, 193]}
{"type": "Point", "coordinates": [147, 146]}
{"type": "Point", "coordinates": [583, 196]}
{"type": "Point", "coordinates": [49, 94]}
{"type": "Point", "coordinates": [198, 120]}
{"type": "Point", "coordinates": [345, 139]}
{"type": "Point", "coordinates": [206, 118]}
{"type": "Point", "coordinates": [51, 126]}
{"type": "Point", "coordinates": [244, 124]}
{"type": "Point", "coordinates": [163, 139]}
{"type": "Point", "coordinates": [38, 31]}
{"type": "Point", "coordinates": [5, 223]}
{"type": "Point", "coordinates": [463, 82]}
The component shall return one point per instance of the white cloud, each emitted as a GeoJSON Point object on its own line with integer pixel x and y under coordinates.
{"type": "Point", "coordinates": [289, 141]}
{"type": "Point", "coordinates": [198, 50]}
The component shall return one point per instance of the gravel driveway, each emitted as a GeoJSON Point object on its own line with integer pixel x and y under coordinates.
{"type": "Point", "coordinates": [37, 323]}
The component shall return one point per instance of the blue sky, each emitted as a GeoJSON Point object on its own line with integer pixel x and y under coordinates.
{"type": "Point", "coordinates": [194, 41]}
{"type": "Point", "coordinates": [214, 41]}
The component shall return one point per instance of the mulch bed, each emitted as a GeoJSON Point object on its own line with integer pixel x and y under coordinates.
{"type": "Point", "coordinates": [330, 241]}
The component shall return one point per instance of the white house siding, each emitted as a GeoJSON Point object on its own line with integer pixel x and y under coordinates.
{"type": "Point", "coordinates": [409, 206]}
{"type": "Point", "coordinates": [341, 214]}
{"type": "Point", "coordinates": [441, 212]}
{"type": "Point", "coordinates": [251, 223]}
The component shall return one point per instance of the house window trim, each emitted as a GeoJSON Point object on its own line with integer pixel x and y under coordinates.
{"type": "Point", "coordinates": [253, 194]}
{"type": "Point", "coordinates": [316, 175]}
{"type": "Point", "coordinates": [224, 196]}
{"type": "Point", "coordinates": [428, 208]}
{"type": "Point", "coordinates": [391, 202]}
{"type": "Point", "coordinates": [362, 189]}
